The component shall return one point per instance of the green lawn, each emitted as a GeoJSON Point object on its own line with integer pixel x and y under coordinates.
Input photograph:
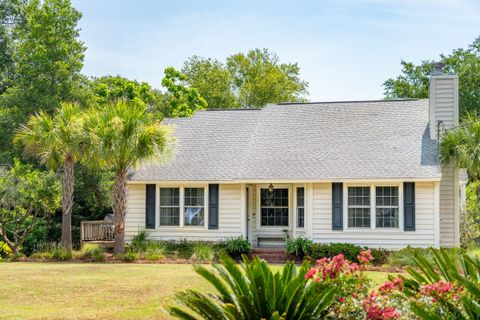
{"type": "Point", "coordinates": [96, 291]}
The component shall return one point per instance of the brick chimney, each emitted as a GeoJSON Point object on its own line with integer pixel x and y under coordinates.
{"type": "Point", "coordinates": [443, 100]}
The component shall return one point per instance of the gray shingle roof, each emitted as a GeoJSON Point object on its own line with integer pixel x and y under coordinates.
{"type": "Point", "coordinates": [344, 140]}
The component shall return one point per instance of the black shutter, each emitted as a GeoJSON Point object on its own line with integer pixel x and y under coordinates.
{"type": "Point", "coordinates": [337, 206]}
{"type": "Point", "coordinates": [150, 206]}
{"type": "Point", "coordinates": [409, 206]}
{"type": "Point", "coordinates": [213, 206]}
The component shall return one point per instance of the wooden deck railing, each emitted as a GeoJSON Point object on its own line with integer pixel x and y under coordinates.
{"type": "Point", "coordinates": [97, 231]}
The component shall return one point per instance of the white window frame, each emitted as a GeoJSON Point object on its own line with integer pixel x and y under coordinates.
{"type": "Point", "coordinates": [182, 206]}
{"type": "Point", "coordinates": [290, 207]}
{"type": "Point", "coordinates": [373, 222]}
{"type": "Point", "coordinates": [295, 205]}
{"type": "Point", "coordinates": [387, 207]}
{"type": "Point", "coordinates": [204, 207]}
{"type": "Point", "coordinates": [160, 206]}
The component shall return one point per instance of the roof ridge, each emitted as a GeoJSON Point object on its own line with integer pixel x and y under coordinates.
{"type": "Point", "coordinates": [349, 101]}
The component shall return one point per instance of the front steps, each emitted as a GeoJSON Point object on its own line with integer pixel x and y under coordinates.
{"type": "Point", "coordinates": [272, 255]}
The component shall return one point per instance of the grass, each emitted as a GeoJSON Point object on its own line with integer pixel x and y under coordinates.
{"type": "Point", "coordinates": [96, 291]}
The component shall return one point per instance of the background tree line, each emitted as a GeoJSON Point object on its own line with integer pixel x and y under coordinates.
{"type": "Point", "coordinates": [41, 59]}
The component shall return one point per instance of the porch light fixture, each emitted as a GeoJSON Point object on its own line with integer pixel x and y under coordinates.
{"type": "Point", "coordinates": [270, 188]}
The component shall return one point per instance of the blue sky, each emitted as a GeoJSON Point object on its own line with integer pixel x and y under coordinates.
{"type": "Point", "coordinates": [345, 48]}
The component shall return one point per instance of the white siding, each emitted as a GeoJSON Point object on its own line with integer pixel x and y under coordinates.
{"type": "Point", "coordinates": [230, 224]}
{"type": "Point", "coordinates": [423, 236]}
{"type": "Point", "coordinates": [449, 212]}
{"type": "Point", "coordinates": [444, 107]}
{"type": "Point", "coordinates": [443, 99]}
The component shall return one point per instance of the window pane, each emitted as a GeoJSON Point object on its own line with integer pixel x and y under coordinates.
{"type": "Point", "coordinates": [169, 216]}
{"type": "Point", "coordinates": [387, 211]}
{"type": "Point", "coordinates": [300, 197]}
{"type": "Point", "coordinates": [387, 217]}
{"type": "Point", "coordinates": [387, 196]}
{"type": "Point", "coordinates": [194, 217]}
{"type": "Point", "coordinates": [194, 197]}
{"type": "Point", "coordinates": [169, 196]}
{"type": "Point", "coordinates": [359, 196]}
{"type": "Point", "coordinates": [359, 217]}
{"type": "Point", "coordinates": [301, 217]}
{"type": "Point", "coordinates": [274, 207]}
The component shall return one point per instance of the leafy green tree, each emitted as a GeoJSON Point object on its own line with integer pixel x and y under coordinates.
{"type": "Point", "coordinates": [254, 291]}
{"type": "Point", "coordinates": [212, 80]}
{"type": "Point", "coordinates": [114, 88]}
{"type": "Point", "coordinates": [49, 55]}
{"type": "Point", "coordinates": [47, 58]}
{"type": "Point", "coordinates": [11, 16]}
{"type": "Point", "coordinates": [181, 99]}
{"type": "Point", "coordinates": [245, 80]}
{"type": "Point", "coordinates": [259, 78]}
{"type": "Point", "coordinates": [26, 195]}
{"type": "Point", "coordinates": [414, 80]}
{"type": "Point", "coordinates": [57, 142]}
{"type": "Point", "coordinates": [121, 135]}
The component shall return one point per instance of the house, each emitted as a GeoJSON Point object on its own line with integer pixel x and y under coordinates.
{"type": "Point", "coordinates": [362, 172]}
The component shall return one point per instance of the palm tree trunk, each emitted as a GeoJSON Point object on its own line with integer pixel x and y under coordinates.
{"type": "Point", "coordinates": [67, 202]}
{"type": "Point", "coordinates": [120, 209]}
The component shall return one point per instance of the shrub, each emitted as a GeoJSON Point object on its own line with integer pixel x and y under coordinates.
{"type": "Point", "coordinates": [407, 256]}
{"type": "Point", "coordinates": [61, 254]}
{"type": "Point", "coordinates": [437, 288]}
{"type": "Point", "coordinates": [300, 246]}
{"type": "Point", "coordinates": [238, 246]}
{"type": "Point", "coordinates": [39, 234]}
{"type": "Point", "coordinates": [92, 252]}
{"type": "Point", "coordinates": [380, 256]}
{"type": "Point", "coordinates": [155, 251]}
{"type": "Point", "coordinates": [253, 291]}
{"type": "Point", "coordinates": [329, 250]}
{"type": "Point", "coordinates": [349, 281]}
{"type": "Point", "coordinates": [5, 251]}
{"type": "Point", "coordinates": [179, 249]}
{"type": "Point", "coordinates": [128, 256]}
{"type": "Point", "coordinates": [202, 252]}
{"type": "Point", "coordinates": [140, 241]}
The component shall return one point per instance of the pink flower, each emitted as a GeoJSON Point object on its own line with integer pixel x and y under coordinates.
{"type": "Point", "coordinates": [342, 299]}
{"type": "Point", "coordinates": [365, 256]}
{"type": "Point", "coordinates": [375, 312]}
{"type": "Point", "coordinates": [310, 273]}
{"type": "Point", "coordinates": [439, 290]}
{"type": "Point", "coordinates": [353, 267]}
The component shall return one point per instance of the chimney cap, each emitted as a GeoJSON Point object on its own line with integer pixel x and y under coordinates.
{"type": "Point", "coordinates": [438, 67]}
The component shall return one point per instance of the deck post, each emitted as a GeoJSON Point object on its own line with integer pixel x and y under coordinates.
{"type": "Point", "coordinates": [81, 233]}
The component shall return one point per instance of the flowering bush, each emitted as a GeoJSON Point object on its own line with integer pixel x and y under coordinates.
{"type": "Point", "coordinates": [387, 302]}
{"type": "Point", "coordinates": [349, 282]}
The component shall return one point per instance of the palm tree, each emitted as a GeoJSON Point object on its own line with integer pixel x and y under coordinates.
{"type": "Point", "coordinates": [56, 142]}
{"type": "Point", "coordinates": [121, 135]}
{"type": "Point", "coordinates": [461, 146]}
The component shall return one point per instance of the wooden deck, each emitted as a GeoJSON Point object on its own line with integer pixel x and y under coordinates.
{"type": "Point", "coordinates": [99, 232]}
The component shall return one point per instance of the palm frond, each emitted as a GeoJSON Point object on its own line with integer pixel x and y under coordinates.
{"type": "Point", "coordinates": [253, 291]}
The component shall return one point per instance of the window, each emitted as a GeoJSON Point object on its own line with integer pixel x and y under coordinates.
{"type": "Point", "coordinates": [387, 209]}
{"type": "Point", "coordinates": [274, 207]}
{"type": "Point", "coordinates": [194, 207]}
{"type": "Point", "coordinates": [359, 207]}
{"type": "Point", "coordinates": [301, 207]}
{"type": "Point", "coordinates": [169, 207]}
